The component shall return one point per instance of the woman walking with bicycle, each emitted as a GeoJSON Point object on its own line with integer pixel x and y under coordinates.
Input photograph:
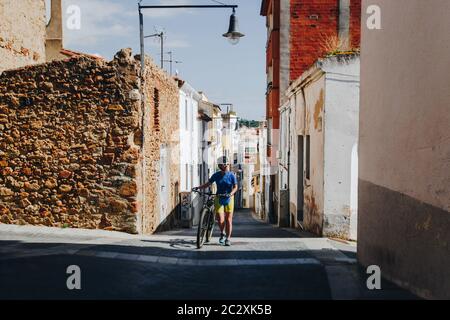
{"type": "Point", "coordinates": [224, 205]}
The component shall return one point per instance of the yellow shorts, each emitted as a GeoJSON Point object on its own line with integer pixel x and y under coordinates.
{"type": "Point", "coordinates": [229, 208]}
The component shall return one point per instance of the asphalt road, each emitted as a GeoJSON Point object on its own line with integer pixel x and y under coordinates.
{"type": "Point", "coordinates": [264, 262]}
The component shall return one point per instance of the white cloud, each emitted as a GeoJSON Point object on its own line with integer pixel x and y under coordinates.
{"type": "Point", "coordinates": [105, 19]}
{"type": "Point", "coordinates": [178, 44]}
{"type": "Point", "coordinates": [169, 44]}
{"type": "Point", "coordinates": [99, 19]}
{"type": "Point", "coordinates": [100, 10]}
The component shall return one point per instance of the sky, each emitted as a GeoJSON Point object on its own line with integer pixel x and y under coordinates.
{"type": "Point", "coordinates": [225, 73]}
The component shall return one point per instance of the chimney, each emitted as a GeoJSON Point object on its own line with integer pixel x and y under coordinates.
{"type": "Point", "coordinates": [54, 41]}
{"type": "Point", "coordinates": [344, 24]}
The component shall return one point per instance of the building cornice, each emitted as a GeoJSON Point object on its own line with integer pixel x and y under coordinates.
{"type": "Point", "coordinates": [264, 7]}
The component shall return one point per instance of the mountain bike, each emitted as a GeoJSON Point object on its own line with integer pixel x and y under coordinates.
{"type": "Point", "coordinates": [207, 219]}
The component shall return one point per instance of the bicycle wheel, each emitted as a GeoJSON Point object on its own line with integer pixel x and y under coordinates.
{"type": "Point", "coordinates": [211, 224]}
{"type": "Point", "coordinates": [203, 226]}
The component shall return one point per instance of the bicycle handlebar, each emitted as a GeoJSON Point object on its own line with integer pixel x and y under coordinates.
{"type": "Point", "coordinates": [209, 193]}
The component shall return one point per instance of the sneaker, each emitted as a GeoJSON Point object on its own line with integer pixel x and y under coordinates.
{"type": "Point", "coordinates": [227, 243]}
{"type": "Point", "coordinates": [222, 239]}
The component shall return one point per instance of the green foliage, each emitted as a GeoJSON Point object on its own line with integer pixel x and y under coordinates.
{"type": "Point", "coordinates": [248, 123]}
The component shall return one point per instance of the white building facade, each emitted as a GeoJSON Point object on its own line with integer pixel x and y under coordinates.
{"type": "Point", "coordinates": [190, 152]}
{"type": "Point", "coordinates": [319, 143]}
{"type": "Point", "coordinates": [248, 158]}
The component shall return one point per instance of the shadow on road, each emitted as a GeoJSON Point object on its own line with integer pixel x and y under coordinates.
{"type": "Point", "coordinates": [246, 225]}
{"type": "Point", "coordinates": [267, 263]}
{"type": "Point", "coordinates": [44, 276]}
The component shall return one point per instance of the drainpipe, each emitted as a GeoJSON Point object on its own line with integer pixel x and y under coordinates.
{"type": "Point", "coordinates": [143, 115]}
{"type": "Point", "coordinates": [289, 162]}
{"type": "Point", "coordinates": [304, 123]}
{"type": "Point", "coordinates": [304, 154]}
{"type": "Point", "coordinates": [344, 24]}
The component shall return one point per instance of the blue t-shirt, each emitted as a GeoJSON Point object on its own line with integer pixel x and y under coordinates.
{"type": "Point", "coordinates": [225, 183]}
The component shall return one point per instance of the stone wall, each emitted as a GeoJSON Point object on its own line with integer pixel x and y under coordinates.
{"type": "Point", "coordinates": [22, 33]}
{"type": "Point", "coordinates": [71, 144]}
{"type": "Point", "coordinates": [162, 176]}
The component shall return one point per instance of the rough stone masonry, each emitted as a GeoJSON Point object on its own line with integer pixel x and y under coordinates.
{"type": "Point", "coordinates": [71, 144]}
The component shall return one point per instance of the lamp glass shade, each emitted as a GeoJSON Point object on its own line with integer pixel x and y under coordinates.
{"type": "Point", "coordinates": [233, 41]}
{"type": "Point", "coordinates": [233, 33]}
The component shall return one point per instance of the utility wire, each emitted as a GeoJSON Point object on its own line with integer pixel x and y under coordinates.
{"type": "Point", "coordinates": [224, 4]}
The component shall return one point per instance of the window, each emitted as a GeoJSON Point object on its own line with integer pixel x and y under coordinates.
{"type": "Point", "coordinates": [186, 115]}
{"type": "Point", "coordinates": [308, 157]}
{"type": "Point", "coordinates": [176, 198]}
{"type": "Point", "coordinates": [156, 107]}
{"type": "Point", "coordinates": [250, 150]}
{"type": "Point", "coordinates": [269, 132]}
{"type": "Point", "coordinates": [191, 173]}
{"type": "Point", "coordinates": [270, 75]}
{"type": "Point", "coordinates": [186, 175]}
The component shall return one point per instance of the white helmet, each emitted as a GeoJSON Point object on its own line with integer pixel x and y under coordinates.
{"type": "Point", "coordinates": [223, 161]}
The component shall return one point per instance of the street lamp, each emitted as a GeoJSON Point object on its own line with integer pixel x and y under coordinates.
{"type": "Point", "coordinates": [233, 34]}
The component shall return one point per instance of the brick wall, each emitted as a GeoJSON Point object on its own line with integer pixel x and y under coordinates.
{"type": "Point", "coordinates": [71, 145]}
{"type": "Point", "coordinates": [22, 33]}
{"type": "Point", "coordinates": [312, 23]}
{"type": "Point", "coordinates": [314, 28]}
{"type": "Point", "coordinates": [314, 31]}
{"type": "Point", "coordinates": [273, 59]}
{"type": "Point", "coordinates": [161, 131]}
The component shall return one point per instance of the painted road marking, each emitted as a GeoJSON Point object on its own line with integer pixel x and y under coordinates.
{"type": "Point", "coordinates": [197, 262]}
